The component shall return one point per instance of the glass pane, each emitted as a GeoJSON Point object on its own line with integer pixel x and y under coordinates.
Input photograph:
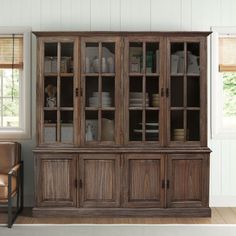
{"type": "Point", "coordinates": [92, 95]}
{"type": "Point", "coordinates": [108, 92]}
{"type": "Point", "coordinates": [10, 83]}
{"type": "Point", "coordinates": [193, 92]}
{"type": "Point", "coordinates": [152, 89]}
{"type": "Point", "coordinates": [91, 123]}
{"type": "Point", "coordinates": [10, 112]}
{"type": "Point", "coordinates": [50, 117]}
{"type": "Point", "coordinates": [177, 58]}
{"type": "Point", "coordinates": [193, 58]}
{"type": "Point", "coordinates": [66, 92]}
{"type": "Point", "coordinates": [50, 92]}
{"type": "Point", "coordinates": [193, 125]}
{"type": "Point", "coordinates": [50, 60]}
{"type": "Point", "coordinates": [177, 126]}
{"type": "Point", "coordinates": [152, 126]}
{"type": "Point", "coordinates": [177, 92]}
{"type": "Point", "coordinates": [136, 57]}
{"type": "Point", "coordinates": [92, 58]}
{"type": "Point", "coordinates": [50, 134]}
{"type": "Point", "coordinates": [108, 57]}
{"type": "Point", "coordinates": [67, 53]}
{"type": "Point", "coordinates": [108, 126]}
{"type": "Point", "coordinates": [67, 126]}
{"type": "Point", "coordinates": [152, 58]}
{"type": "Point", "coordinates": [135, 125]}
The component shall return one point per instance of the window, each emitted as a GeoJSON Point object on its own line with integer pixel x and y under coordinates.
{"type": "Point", "coordinates": [14, 84]}
{"type": "Point", "coordinates": [224, 83]}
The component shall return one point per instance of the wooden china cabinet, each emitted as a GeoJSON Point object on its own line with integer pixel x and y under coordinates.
{"type": "Point", "coordinates": [122, 124]}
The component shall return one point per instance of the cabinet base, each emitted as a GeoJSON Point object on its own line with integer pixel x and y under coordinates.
{"type": "Point", "coordinates": [121, 212]}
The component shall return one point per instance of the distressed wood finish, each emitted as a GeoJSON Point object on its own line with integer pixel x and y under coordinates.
{"type": "Point", "coordinates": [122, 177]}
{"type": "Point", "coordinates": [143, 177]}
{"type": "Point", "coordinates": [100, 179]}
{"type": "Point", "coordinates": [55, 178]}
{"type": "Point", "coordinates": [188, 180]}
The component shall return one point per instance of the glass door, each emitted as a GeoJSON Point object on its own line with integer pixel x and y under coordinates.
{"type": "Point", "coordinates": [184, 81]}
{"type": "Point", "coordinates": [142, 91]}
{"type": "Point", "coordinates": [101, 90]}
{"type": "Point", "coordinates": [58, 72]}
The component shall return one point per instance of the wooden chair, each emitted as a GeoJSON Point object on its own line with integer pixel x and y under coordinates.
{"type": "Point", "coordinates": [11, 179]}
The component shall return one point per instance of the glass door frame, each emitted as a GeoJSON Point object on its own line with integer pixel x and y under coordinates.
{"type": "Point", "coordinates": [40, 103]}
{"type": "Point", "coordinates": [126, 79]}
{"type": "Point", "coordinates": [117, 90]}
{"type": "Point", "coordinates": [202, 93]}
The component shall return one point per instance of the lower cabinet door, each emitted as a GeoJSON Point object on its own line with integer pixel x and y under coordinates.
{"type": "Point", "coordinates": [55, 183]}
{"type": "Point", "coordinates": [188, 181]}
{"type": "Point", "coordinates": [143, 176]}
{"type": "Point", "coordinates": [100, 180]}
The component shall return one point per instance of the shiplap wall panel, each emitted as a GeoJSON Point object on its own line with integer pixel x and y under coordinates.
{"type": "Point", "coordinates": [115, 15]}
{"type": "Point", "coordinates": [205, 14]}
{"type": "Point", "coordinates": [128, 15]}
{"type": "Point", "coordinates": [50, 16]}
{"type": "Point", "coordinates": [80, 15]}
{"type": "Point", "coordinates": [166, 16]}
{"type": "Point", "coordinates": [100, 15]}
{"type": "Point", "coordinates": [135, 15]}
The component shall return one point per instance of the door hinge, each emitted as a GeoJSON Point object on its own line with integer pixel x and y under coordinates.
{"type": "Point", "coordinates": [76, 183]}
{"type": "Point", "coordinates": [80, 183]}
{"type": "Point", "coordinates": [165, 184]}
{"type": "Point", "coordinates": [76, 92]}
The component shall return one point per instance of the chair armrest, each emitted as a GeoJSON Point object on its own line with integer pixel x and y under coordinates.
{"type": "Point", "coordinates": [14, 169]}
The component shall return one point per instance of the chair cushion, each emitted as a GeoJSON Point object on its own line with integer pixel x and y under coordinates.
{"type": "Point", "coordinates": [9, 156]}
{"type": "Point", "coordinates": [4, 186]}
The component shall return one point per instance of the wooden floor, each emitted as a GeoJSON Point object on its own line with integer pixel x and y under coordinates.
{"type": "Point", "coordinates": [219, 216]}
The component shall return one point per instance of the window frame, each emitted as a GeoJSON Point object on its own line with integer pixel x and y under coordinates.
{"type": "Point", "coordinates": [217, 129]}
{"type": "Point", "coordinates": [24, 131]}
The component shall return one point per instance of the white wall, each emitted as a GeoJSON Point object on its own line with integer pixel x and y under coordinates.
{"type": "Point", "coordinates": [128, 15]}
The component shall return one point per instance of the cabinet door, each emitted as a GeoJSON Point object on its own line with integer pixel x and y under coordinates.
{"type": "Point", "coordinates": [186, 91]}
{"type": "Point", "coordinates": [188, 177]}
{"type": "Point", "coordinates": [56, 175]}
{"type": "Point", "coordinates": [143, 87]}
{"type": "Point", "coordinates": [100, 180]}
{"type": "Point", "coordinates": [143, 176]}
{"type": "Point", "coordinates": [100, 81]}
{"type": "Point", "coordinates": [56, 100]}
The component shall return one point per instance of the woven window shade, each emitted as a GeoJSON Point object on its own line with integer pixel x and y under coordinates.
{"type": "Point", "coordinates": [227, 54]}
{"type": "Point", "coordinates": [11, 56]}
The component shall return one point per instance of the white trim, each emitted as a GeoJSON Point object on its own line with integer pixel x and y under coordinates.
{"type": "Point", "coordinates": [25, 131]}
{"type": "Point", "coordinates": [223, 201]}
{"type": "Point", "coordinates": [217, 129]}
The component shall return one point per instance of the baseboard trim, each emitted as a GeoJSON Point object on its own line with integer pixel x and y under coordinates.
{"type": "Point", "coordinates": [121, 212]}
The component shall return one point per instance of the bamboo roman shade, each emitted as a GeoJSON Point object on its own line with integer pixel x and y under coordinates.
{"type": "Point", "coordinates": [11, 51]}
{"type": "Point", "coordinates": [227, 54]}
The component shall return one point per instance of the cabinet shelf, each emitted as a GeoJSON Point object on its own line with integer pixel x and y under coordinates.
{"type": "Point", "coordinates": [99, 74]}
{"type": "Point", "coordinates": [60, 74]}
{"type": "Point", "coordinates": [100, 108]}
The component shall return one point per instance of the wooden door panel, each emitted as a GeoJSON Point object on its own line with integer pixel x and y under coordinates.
{"type": "Point", "coordinates": [143, 177]}
{"type": "Point", "coordinates": [100, 176]}
{"type": "Point", "coordinates": [56, 180]}
{"type": "Point", "coordinates": [188, 178]}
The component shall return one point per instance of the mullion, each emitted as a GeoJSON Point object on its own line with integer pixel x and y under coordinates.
{"type": "Point", "coordinates": [100, 92]}
{"type": "Point", "coordinates": [185, 91]}
{"type": "Point", "coordinates": [144, 93]}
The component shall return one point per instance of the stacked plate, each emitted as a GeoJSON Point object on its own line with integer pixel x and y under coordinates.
{"type": "Point", "coordinates": [94, 100]}
{"type": "Point", "coordinates": [152, 130]}
{"type": "Point", "coordinates": [155, 100]}
{"type": "Point", "coordinates": [136, 99]}
{"type": "Point", "coordinates": [178, 134]}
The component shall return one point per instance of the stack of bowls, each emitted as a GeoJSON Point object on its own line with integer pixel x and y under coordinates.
{"type": "Point", "coordinates": [94, 100]}
{"type": "Point", "coordinates": [136, 99]}
{"type": "Point", "coordinates": [155, 100]}
{"type": "Point", "coordinates": [178, 134]}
